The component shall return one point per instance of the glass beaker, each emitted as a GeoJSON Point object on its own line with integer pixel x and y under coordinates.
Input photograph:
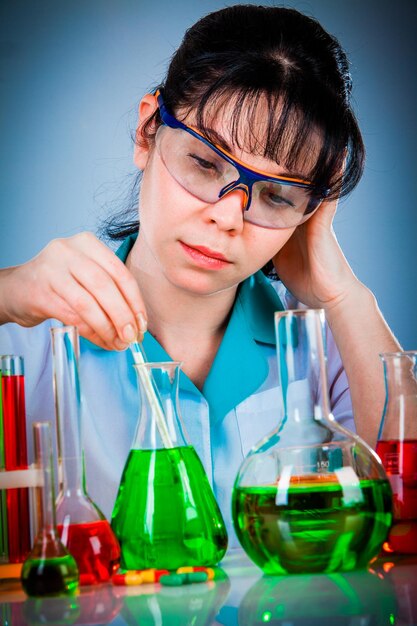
{"type": "Point", "coordinates": [49, 569]}
{"type": "Point", "coordinates": [83, 528]}
{"type": "Point", "coordinates": [397, 446]}
{"type": "Point", "coordinates": [165, 514]}
{"type": "Point", "coordinates": [311, 496]}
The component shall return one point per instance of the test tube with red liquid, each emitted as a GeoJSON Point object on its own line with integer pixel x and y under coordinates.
{"type": "Point", "coordinates": [15, 455]}
{"type": "Point", "coordinates": [3, 503]}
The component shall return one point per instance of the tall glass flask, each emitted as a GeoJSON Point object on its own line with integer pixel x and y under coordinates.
{"type": "Point", "coordinates": [311, 496]}
{"type": "Point", "coordinates": [14, 452]}
{"type": "Point", "coordinates": [397, 446]}
{"type": "Point", "coordinates": [165, 514]}
{"type": "Point", "coordinates": [49, 569]}
{"type": "Point", "coordinates": [83, 528]}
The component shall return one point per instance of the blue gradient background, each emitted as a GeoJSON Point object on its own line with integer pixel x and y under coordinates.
{"type": "Point", "coordinates": [72, 72]}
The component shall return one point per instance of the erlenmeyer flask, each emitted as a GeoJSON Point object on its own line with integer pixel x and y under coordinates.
{"type": "Point", "coordinates": [310, 497]}
{"type": "Point", "coordinates": [397, 446]}
{"type": "Point", "coordinates": [165, 515]}
{"type": "Point", "coordinates": [83, 528]}
{"type": "Point", "coordinates": [49, 569]}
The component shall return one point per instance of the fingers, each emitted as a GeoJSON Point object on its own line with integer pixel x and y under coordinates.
{"type": "Point", "coordinates": [69, 317]}
{"type": "Point", "coordinates": [327, 211]}
{"type": "Point", "coordinates": [98, 296]}
{"type": "Point", "coordinates": [88, 313]}
{"type": "Point", "coordinates": [125, 283]}
{"type": "Point", "coordinates": [80, 282]}
{"type": "Point", "coordinates": [101, 291]}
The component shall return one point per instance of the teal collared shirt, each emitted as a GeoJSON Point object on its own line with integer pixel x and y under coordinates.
{"type": "Point", "coordinates": [240, 366]}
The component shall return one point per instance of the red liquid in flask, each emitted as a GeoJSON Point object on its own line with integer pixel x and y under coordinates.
{"type": "Point", "coordinates": [399, 458]}
{"type": "Point", "coordinates": [95, 549]}
{"type": "Point", "coordinates": [15, 458]}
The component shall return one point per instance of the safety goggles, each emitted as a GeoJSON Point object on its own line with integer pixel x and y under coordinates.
{"type": "Point", "coordinates": [209, 172]}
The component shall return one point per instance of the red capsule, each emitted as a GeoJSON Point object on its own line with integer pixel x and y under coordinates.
{"type": "Point", "coordinates": [128, 579]}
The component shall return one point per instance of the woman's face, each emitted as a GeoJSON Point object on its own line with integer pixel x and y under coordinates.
{"type": "Point", "coordinates": [200, 247]}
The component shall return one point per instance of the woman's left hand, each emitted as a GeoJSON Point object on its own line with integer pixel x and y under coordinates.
{"type": "Point", "coordinates": [314, 269]}
{"type": "Point", "coordinates": [312, 265]}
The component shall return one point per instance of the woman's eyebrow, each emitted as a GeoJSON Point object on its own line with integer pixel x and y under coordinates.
{"type": "Point", "coordinates": [213, 136]}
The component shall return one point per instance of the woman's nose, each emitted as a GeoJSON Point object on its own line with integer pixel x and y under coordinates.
{"type": "Point", "coordinates": [227, 212]}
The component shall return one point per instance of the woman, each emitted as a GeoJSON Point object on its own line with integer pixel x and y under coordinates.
{"type": "Point", "coordinates": [245, 149]}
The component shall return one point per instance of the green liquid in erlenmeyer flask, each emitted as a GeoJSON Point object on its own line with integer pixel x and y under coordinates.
{"type": "Point", "coordinates": [315, 527]}
{"type": "Point", "coordinates": [165, 515]}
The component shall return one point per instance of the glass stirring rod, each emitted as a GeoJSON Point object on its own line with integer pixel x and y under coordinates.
{"type": "Point", "coordinates": [139, 357]}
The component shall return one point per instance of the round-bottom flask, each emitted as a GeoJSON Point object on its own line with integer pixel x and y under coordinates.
{"type": "Point", "coordinates": [312, 496]}
{"type": "Point", "coordinates": [49, 569]}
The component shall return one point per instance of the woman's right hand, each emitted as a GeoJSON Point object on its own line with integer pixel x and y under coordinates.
{"type": "Point", "coordinates": [78, 281]}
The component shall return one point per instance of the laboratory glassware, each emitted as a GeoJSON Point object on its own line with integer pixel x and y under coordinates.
{"type": "Point", "coordinates": [4, 550]}
{"type": "Point", "coordinates": [311, 496]}
{"type": "Point", "coordinates": [83, 528]}
{"type": "Point", "coordinates": [15, 456]}
{"type": "Point", "coordinates": [397, 447]}
{"type": "Point", "coordinates": [49, 569]}
{"type": "Point", "coordinates": [165, 514]}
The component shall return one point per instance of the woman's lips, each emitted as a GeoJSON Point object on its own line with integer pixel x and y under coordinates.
{"type": "Point", "coordinates": [205, 257]}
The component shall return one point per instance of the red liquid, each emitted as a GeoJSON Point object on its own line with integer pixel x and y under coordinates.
{"type": "Point", "coordinates": [399, 459]}
{"type": "Point", "coordinates": [15, 457]}
{"type": "Point", "coordinates": [94, 547]}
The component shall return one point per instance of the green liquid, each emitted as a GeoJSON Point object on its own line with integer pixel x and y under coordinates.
{"type": "Point", "coordinates": [313, 527]}
{"type": "Point", "coordinates": [165, 514]}
{"type": "Point", "coordinates": [50, 577]}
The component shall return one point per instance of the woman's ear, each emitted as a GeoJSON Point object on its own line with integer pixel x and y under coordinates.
{"type": "Point", "coordinates": [147, 107]}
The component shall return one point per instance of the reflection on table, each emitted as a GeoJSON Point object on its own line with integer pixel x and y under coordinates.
{"type": "Point", "coordinates": [385, 594]}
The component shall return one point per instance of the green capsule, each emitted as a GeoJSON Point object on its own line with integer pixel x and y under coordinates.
{"type": "Point", "coordinates": [173, 580]}
{"type": "Point", "coordinates": [196, 577]}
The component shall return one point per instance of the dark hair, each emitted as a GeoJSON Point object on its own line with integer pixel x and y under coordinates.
{"type": "Point", "coordinates": [245, 56]}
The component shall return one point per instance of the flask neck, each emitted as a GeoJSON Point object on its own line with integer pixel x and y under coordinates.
{"type": "Point", "coordinates": [46, 521]}
{"type": "Point", "coordinates": [302, 366]}
{"type": "Point", "coordinates": [399, 419]}
{"type": "Point", "coordinates": [73, 478]}
{"type": "Point", "coordinates": [65, 346]}
{"type": "Point", "coordinates": [159, 424]}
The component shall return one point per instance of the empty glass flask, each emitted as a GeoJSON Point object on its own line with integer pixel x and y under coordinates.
{"type": "Point", "coordinates": [165, 515]}
{"type": "Point", "coordinates": [311, 496]}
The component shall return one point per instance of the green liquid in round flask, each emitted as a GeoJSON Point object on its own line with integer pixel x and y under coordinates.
{"type": "Point", "coordinates": [49, 569]}
{"type": "Point", "coordinates": [165, 515]}
{"type": "Point", "coordinates": [312, 496]}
